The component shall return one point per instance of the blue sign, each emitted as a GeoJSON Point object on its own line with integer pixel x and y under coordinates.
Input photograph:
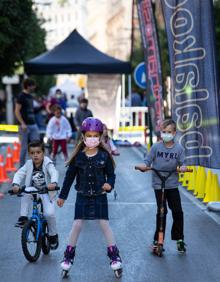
{"type": "Point", "coordinates": [140, 75]}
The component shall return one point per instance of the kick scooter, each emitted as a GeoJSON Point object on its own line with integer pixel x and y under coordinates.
{"type": "Point", "coordinates": [158, 249]}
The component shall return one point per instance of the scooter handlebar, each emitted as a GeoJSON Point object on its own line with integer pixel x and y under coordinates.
{"type": "Point", "coordinates": [187, 170]}
{"type": "Point", "coordinates": [144, 168]}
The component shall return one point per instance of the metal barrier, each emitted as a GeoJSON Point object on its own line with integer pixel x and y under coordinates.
{"type": "Point", "coordinates": [133, 124]}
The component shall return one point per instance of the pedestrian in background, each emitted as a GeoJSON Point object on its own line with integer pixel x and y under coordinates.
{"type": "Point", "coordinates": [108, 142]}
{"type": "Point", "coordinates": [81, 114]}
{"type": "Point", "coordinates": [136, 100]}
{"type": "Point", "coordinates": [24, 112]}
{"type": "Point", "coordinates": [38, 111]}
{"type": "Point", "coordinates": [61, 99]}
{"type": "Point", "coordinates": [59, 132]}
{"type": "Point", "coordinates": [73, 127]}
{"type": "Point", "coordinates": [93, 168]}
{"type": "Point", "coordinates": [54, 100]}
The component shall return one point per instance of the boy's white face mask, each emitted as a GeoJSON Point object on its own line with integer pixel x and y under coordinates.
{"type": "Point", "coordinates": [167, 137]}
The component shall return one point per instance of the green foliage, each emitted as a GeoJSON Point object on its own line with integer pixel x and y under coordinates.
{"type": "Point", "coordinates": [164, 54]}
{"type": "Point", "coordinates": [44, 83]}
{"type": "Point", "coordinates": [22, 38]}
{"type": "Point", "coordinates": [21, 35]}
{"type": "Point", "coordinates": [137, 57]}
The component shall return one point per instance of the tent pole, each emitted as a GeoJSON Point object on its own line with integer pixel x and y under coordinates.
{"type": "Point", "coordinates": [129, 100]}
{"type": "Point", "coordinates": [129, 89]}
{"type": "Point", "coordinates": [9, 105]}
{"type": "Point", "coordinates": [123, 90]}
{"type": "Point", "coordinates": [123, 99]}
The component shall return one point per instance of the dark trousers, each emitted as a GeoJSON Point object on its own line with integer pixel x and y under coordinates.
{"type": "Point", "coordinates": [172, 198]}
{"type": "Point", "coordinates": [63, 144]}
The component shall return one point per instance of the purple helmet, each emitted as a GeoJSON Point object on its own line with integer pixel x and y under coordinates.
{"type": "Point", "coordinates": [92, 124]}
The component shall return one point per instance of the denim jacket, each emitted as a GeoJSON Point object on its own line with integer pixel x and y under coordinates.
{"type": "Point", "coordinates": [90, 172]}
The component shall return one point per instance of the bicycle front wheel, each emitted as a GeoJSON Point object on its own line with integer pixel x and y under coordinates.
{"type": "Point", "coordinates": [45, 239]}
{"type": "Point", "coordinates": [31, 245]}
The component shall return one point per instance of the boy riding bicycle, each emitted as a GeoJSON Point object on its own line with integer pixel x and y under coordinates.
{"type": "Point", "coordinates": [40, 173]}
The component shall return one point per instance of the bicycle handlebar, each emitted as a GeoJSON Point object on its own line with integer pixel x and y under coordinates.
{"type": "Point", "coordinates": [22, 190]}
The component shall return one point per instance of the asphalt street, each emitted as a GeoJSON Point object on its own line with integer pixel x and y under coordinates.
{"type": "Point", "coordinates": [132, 217]}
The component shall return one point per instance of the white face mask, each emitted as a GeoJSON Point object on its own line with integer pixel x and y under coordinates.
{"type": "Point", "coordinates": [92, 142]}
{"type": "Point", "coordinates": [167, 137]}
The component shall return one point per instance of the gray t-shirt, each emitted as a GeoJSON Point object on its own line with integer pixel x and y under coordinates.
{"type": "Point", "coordinates": [162, 158]}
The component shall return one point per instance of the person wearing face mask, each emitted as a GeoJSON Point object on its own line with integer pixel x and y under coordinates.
{"type": "Point", "coordinates": [81, 114]}
{"type": "Point", "coordinates": [167, 155]}
{"type": "Point", "coordinates": [93, 167]}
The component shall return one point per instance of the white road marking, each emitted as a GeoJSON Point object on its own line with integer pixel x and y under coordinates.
{"type": "Point", "coordinates": [129, 203]}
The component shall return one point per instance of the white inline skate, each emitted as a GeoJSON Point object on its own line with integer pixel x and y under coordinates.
{"type": "Point", "coordinates": [115, 261]}
{"type": "Point", "coordinates": [67, 261]}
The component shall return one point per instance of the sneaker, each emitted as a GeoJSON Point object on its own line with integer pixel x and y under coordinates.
{"type": "Point", "coordinates": [68, 259]}
{"type": "Point", "coordinates": [21, 221]}
{"type": "Point", "coordinates": [54, 242]}
{"type": "Point", "coordinates": [154, 244]}
{"type": "Point", "coordinates": [181, 246]}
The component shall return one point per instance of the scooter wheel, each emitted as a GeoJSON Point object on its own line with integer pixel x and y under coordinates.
{"type": "Point", "coordinates": [118, 273]}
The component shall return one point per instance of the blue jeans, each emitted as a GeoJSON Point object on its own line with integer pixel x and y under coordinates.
{"type": "Point", "coordinates": [31, 134]}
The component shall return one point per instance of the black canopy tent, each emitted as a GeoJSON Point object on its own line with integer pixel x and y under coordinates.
{"type": "Point", "coordinates": [75, 55]}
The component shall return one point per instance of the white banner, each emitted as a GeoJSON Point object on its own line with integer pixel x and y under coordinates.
{"type": "Point", "coordinates": [104, 98]}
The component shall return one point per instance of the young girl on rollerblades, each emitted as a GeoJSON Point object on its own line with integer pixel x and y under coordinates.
{"type": "Point", "coordinates": [167, 155]}
{"type": "Point", "coordinates": [93, 167]}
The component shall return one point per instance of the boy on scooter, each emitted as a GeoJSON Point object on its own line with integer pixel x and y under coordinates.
{"type": "Point", "coordinates": [167, 155]}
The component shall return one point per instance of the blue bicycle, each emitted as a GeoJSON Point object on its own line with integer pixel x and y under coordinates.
{"type": "Point", "coordinates": [35, 236]}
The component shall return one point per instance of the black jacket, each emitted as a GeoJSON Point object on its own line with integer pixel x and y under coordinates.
{"type": "Point", "coordinates": [90, 173]}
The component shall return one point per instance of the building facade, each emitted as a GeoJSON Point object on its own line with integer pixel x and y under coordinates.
{"type": "Point", "coordinates": [60, 18]}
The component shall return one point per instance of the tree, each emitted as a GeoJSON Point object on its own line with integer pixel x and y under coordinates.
{"type": "Point", "coordinates": [21, 35]}
{"type": "Point", "coordinates": [44, 83]}
{"type": "Point", "coordinates": [137, 57]}
{"type": "Point", "coordinates": [22, 38]}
